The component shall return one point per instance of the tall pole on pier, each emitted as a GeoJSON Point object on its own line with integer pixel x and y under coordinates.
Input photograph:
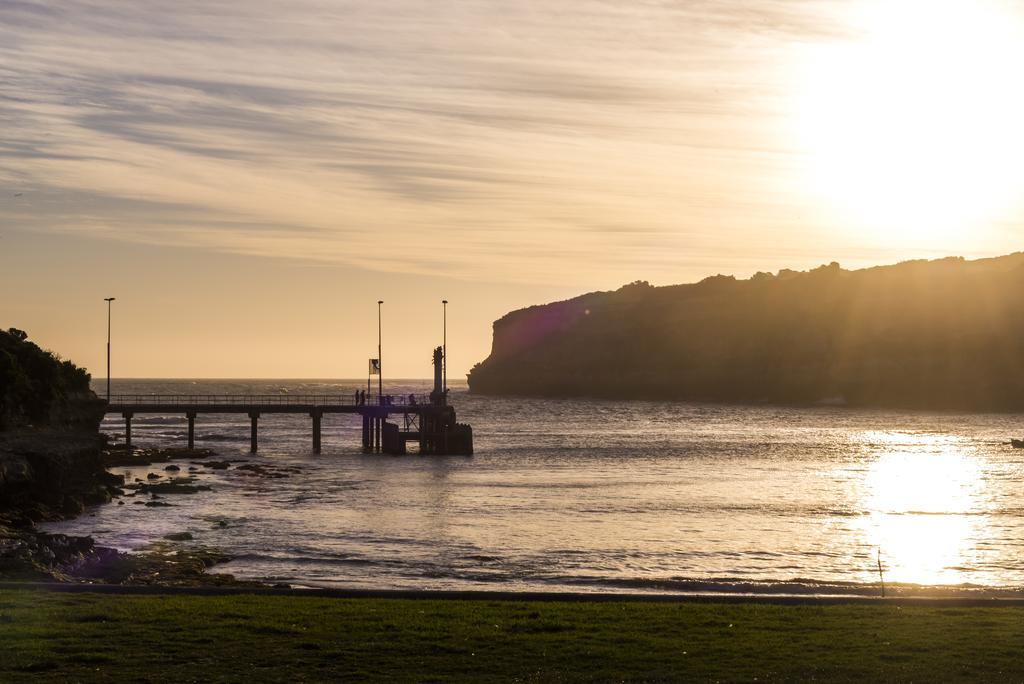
{"type": "Point", "coordinates": [380, 361]}
{"type": "Point", "coordinates": [444, 340]}
{"type": "Point", "coordinates": [108, 300]}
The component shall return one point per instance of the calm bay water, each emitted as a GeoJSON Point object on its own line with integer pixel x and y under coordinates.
{"type": "Point", "coordinates": [598, 495]}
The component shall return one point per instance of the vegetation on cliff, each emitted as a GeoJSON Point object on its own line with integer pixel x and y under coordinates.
{"type": "Point", "coordinates": [37, 387]}
{"type": "Point", "coordinates": [50, 445]}
{"type": "Point", "coordinates": [922, 334]}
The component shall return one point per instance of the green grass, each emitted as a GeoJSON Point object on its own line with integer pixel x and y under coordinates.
{"type": "Point", "coordinates": [91, 637]}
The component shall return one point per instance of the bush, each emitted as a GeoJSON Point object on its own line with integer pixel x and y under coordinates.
{"type": "Point", "coordinates": [35, 384]}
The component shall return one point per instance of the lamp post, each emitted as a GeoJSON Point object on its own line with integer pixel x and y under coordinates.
{"type": "Point", "coordinates": [108, 300]}
{"type": "Point", "coordinates": [444, 341]}
{"type": "Point", "coordinates": [380, 361]}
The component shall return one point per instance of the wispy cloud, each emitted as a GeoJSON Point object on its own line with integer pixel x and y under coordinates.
{"type": "Point", "coordinates": [512, 140]}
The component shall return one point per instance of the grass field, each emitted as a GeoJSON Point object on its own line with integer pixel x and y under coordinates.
{"type": "Point", "coordinates": [91, 637]}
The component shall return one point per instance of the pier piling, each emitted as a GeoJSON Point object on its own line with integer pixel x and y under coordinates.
{"type": "Point", "coordinates": [253, 441]}
{"type": "Point", "coordinates": [317, 416]}
{"type": "Point", "coordinates": [127, 428]}
{"type": "Point", "coordinates": [191, 415]}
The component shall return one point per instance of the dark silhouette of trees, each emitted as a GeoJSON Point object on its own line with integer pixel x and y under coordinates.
{"type": "Point", "coordinates": [36, 386]}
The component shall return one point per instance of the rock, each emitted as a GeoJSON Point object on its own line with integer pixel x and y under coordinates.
{"type": "Point", "coordinates": [72, 506]}
{"type": "Point", "coordinates": [167, 563]}
{"type": "Point", "coordinates": [155, 504]}
{"type": "Point", "coordinates": [178, 536]}
{"type": "Point", "coordinates": [179, 486]}
{"type": "Point", "coordinates": [52, 474]}
{"type": "Point", "coordinates": [153, 476]}
{"type": "Point", "coordinates": [256, 470]}
{"type": "Point", "coordinates": [36, 556]}
{"type": "Point", "coordinates": [120, 503]}
{"type": "Point", "coordinates": [192, 455]}
{"type": "Point", "coordinates": [123, 456]}
{"type": "Point", "coordinates": [218, 465]}
{"type": "Point", "coordinates": [32, 556]}
{"type": "Point", "coordinates": [172, 469]}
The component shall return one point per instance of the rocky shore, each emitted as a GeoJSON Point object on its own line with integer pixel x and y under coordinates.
{"type": "Point", "coordinates": [53, 464]}
{"type": "Point", "coordinates": [53, 475]}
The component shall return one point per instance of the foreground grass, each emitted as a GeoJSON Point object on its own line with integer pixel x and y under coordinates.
{"type": "Point", "coordinates": [87, 637]}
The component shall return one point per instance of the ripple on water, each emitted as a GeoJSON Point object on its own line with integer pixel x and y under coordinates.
{"type": "Point", "coordinates": [570, 494]}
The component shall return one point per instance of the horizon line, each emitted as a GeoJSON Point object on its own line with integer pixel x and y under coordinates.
{"type": "Point", "coordinates": [103, 378]}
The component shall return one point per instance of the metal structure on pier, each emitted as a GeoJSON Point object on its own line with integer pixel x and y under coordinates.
{"type": "Point", "coordinates": [426, 419]}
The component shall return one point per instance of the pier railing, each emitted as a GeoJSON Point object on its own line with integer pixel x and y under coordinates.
{"type": "Point", "coordinates": [261, 400]}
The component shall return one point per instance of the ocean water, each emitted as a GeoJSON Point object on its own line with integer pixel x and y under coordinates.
{"type": "Point", "coordinates": [588, 495]}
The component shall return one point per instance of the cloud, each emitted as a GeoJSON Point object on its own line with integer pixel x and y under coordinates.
{"type": "Point", "coordinates": [454, 131]}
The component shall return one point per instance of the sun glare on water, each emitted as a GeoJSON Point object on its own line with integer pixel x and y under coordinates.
{"type": "Point", "coordinates": [911, 128]}
{"type": "Point", "coordinates": [921, 495]}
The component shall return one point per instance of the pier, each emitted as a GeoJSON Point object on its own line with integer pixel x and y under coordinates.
{"type": "Point", "coordinates": [428, 420]}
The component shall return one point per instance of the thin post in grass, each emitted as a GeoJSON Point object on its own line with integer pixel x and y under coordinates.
{"type": "Point", "coordinates": [881, 577]}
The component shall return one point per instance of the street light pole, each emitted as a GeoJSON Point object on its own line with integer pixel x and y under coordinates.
{"type": "Point", "coordinates": [380, 361]}
{"type": "Point", "coordinates": [108, 300]}
{"type": "Point", "coordinates": [444, 341]}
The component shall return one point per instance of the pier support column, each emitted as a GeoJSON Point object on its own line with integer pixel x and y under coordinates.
{"type": "Point", "coordinates": [366, 431]}
{"type": "Point", "coordinates": [316, 416]}
{"type": "Point", "coordinates": [377, 427]}
{"type": "Point", "coordinates": [191, 430]}
{"type": "Point", "coordinates": [254, 418]}
{"type": "Point", "coordinates": [127, 428]}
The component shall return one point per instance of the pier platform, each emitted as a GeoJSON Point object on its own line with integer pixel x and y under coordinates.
{"type": "Point", "coordinates": [425, 419]}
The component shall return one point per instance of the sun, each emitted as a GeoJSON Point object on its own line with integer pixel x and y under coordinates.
{"type": "Point", "coordinates": [912, 129]}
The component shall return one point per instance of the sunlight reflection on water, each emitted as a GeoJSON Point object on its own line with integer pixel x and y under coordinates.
{"type": "Point", "coordinates": [922, 494]}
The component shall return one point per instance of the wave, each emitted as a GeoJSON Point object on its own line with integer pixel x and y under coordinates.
{"type": "Point", "coordinates": [220, 437]}
{"type": "Point", "coordinates": [331, 571]}
{"type": "Point", "coordinates": [158, 420]}
{"type": "Point", "coordinates": [791, 587]}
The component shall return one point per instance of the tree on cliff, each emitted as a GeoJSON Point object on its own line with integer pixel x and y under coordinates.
{"type": "Point", "coordinates": [928, 334]}
{"type": "Point", "coordinates": [36, 386]}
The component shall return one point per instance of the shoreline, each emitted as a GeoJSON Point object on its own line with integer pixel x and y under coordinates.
{"type": "Point", "coordinates": [34, 555]}
{"type": "Point", "coordinates": [507, 596]}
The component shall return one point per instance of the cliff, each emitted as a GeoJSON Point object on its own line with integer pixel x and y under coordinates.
{"type": "Point", "coordinates": [945, 334]}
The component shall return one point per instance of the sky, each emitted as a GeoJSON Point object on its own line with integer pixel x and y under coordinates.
{"type": "Point", "coordinates": [249, 179]}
